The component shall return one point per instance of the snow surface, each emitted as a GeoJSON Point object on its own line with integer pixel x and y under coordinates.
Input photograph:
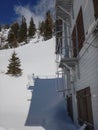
{"type": "Point", "coordinates": [37, 58]}
{"type": "Point", "coordinates": [48, 108]}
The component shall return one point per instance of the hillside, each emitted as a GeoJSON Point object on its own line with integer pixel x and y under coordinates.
{"type": "Point", "coordinates": [27, 104]}
{"type": "Point", "coordinates": [36, 57]}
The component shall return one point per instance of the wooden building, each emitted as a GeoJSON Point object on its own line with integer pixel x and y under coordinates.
{"type": "Point", "coordinates": [77, 56]}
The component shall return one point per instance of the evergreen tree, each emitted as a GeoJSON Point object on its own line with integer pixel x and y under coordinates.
{"type": "Point", "coordinates": [41, 28]}
{"type": "Point", "coordinates": [48, 26]}
{"type": "Point", "coordinates": [15, 29]}
{"type": "Point", "coordinates": [12, 41]}
{"type": "Point", "coordinates": [23, 31]}
{"type": "Point", "coordinates": [13, 35]}
{"type": "Point", "coordinates": [32, 28]}
{"type": "Point", "coordinates": [14, 66]}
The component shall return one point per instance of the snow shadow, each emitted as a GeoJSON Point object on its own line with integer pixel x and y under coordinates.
{"type": "Point", "coordinates": [48, 107]}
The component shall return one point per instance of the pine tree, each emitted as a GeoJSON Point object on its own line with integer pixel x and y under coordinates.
{"type": "Point", "coordinates": [14, 66]}
{"type": "Point", "coordinates": [15, 29]}
{"type": "Point", "coordinates": [32, 28]}
{"type": "Point", "coordinates": [12, 41]}
{"type": "Point", "coordinates": [22, 36]}
{"type": "Point", "coordinates": [13, 35]}
{"type": "Point", "coordinates": [48, 26]}
{"type": "Point", "coordinates": [41, 28]}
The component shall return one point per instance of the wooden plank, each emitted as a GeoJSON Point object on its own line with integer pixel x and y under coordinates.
{"type": "Point", "coordinates": [80, 29]}
{"type": "Point", "coordinates": [85, 108]}
{"type": "Point", "coordinates": [74, 42]}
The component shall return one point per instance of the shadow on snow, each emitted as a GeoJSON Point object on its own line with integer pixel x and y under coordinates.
{"type": "Point", "coordinates": [48, 108]}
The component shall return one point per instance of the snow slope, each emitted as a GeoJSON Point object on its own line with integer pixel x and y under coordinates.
{"type": "Point", "coordinates": [36, 57]}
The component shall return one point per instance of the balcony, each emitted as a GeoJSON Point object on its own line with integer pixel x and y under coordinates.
{"type": "Point", "coordinates": [70, 62]}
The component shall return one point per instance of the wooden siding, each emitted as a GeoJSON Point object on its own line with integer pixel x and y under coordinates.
{"type": "Point", "coordinates": [88, 63]}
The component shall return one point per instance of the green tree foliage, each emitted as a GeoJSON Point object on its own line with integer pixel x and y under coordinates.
{"type": "Point", "coordinates": [15, 29]}
{"type": "Point", "coordinates": [32, 28]}
{"type": "Point", "coordinates": [23, 31]}
{"type": "Point", "coordinates": [13, 35]}
{"type": "Point", "coordinates": [14, 66]}
{"type": "Point", "coordinates": [12, 41]}
{"type": "Point", "coordinates": [41, 28]}
{"type": "Point", "coordinates": [48, 26]}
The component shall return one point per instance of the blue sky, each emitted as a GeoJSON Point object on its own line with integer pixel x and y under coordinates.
{"type": "Point", "coordinates": [7, 12]}
{"type": "Point", "coordinates": [12, 10]}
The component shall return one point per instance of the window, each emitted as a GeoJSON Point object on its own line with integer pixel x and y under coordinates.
{"type": "Point", "coordinates": [95, 8]}
{"type": "Point", "coordinates": [78, 35]}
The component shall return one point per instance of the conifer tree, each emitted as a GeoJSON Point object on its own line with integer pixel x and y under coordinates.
{"type": "Point", "coordinates": [14, 66]}
{"type": "Point", "coordinates": [12, 41]}
{"type": "Point", "coordinates": [13, 35]}
{"type": "Point", "coordinates": [23, 31]}
{"type": "Point", "coordinates": [32, 28]}
{"type": "Point", "coordinates": [48, 26]}
{"type": "Point", "coordinates": [15, 29]}
{"type": "Point", "coordinates": [41, 28]}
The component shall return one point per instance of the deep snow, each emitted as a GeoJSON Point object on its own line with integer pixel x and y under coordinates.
{"type": "Point", "coordinates": [36, 57]}
{"type": "Point", "coordinates": [47, 107]}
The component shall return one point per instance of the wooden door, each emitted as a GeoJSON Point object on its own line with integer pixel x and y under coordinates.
{"type": "Point", "coordinates": [84, 105]}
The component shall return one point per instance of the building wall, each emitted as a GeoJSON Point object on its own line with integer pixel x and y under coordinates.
{"type": "Point", "coordinates": [88, 62]}
{"type": "Point", "coordinates": [88, 12]}
{"type": "Point", "coordinates": [89, 77]}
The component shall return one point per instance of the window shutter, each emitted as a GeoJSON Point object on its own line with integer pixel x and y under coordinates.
{"type": "Point", "coordinates": [80, 30]}
{"type": "Point", "coordinates": [74, 42]}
